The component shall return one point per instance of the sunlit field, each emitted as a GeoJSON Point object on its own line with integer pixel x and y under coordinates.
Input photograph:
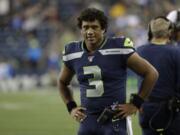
{"type": "Point", "coordinates": [39, 112]}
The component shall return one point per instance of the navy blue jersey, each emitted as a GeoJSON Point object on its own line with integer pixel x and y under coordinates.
{"type": "Point", "coordinates": [178, 44]}
{"type": "Point", "coordinates": [166, 59]}
{"type": "Point", "coordinates": [101, 75]}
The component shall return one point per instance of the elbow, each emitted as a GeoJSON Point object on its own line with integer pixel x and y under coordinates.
{"type": "Point", "coordinates": [155, 74]}
{"type": "Point", "coordinates": [59, 82]}
{"type": "Point", "coordinates": [62, 83]}
{"type": "Point", "coordinates": [152, 75]}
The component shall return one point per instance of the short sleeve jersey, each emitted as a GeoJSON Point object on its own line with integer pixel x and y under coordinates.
{"type": "Point", "coordinates": [101, 75]}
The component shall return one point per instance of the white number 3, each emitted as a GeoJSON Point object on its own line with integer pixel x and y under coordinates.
{"type": "Point", "coordinates": [95, 81]}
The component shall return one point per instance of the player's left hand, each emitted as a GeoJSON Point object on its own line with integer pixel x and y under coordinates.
{"type": "Point", "coordinates": [125, 110]}
{"type": "Point", "coordinates": [78, 113]}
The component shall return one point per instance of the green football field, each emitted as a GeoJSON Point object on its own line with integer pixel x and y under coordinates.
{"type": "Point", "coordinates": [38, 112]}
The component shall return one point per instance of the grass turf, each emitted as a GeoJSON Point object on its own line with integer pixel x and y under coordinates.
{"type": "Point", "coordinates": [38, 112]}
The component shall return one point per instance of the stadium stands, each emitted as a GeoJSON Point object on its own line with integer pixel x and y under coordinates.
{"type": "Point", "coordinates": [49, 20]}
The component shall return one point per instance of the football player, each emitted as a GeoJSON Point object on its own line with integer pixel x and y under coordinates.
{"type": "Point", "coordinates": [160, 114]}
{"type": "Point", "coordinates": [174, 17]}
{"type": "Point", "coordinates": [100, 64]}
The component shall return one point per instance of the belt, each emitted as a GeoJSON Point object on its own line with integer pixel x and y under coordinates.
{"type": "Point", "coordinates": [157, 99]}
{"type": "Point", "coordinates": [172, 103]}
{"type": "Point", "coordinates": [95, 113]}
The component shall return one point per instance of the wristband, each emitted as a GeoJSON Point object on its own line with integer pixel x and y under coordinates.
{"type": "Point", "coordinates": [136, 100]}
{"type": "Point", "coordinates": [71, 105]}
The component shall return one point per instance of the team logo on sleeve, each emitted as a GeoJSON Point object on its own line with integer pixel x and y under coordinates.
{"type": "Point", "coordinates": [128, 43]}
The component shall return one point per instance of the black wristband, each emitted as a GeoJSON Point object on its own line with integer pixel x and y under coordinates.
{"type": "Point", "coordinates": [70, 105]}
{"type": "Point", "coordinates": [136, 100]}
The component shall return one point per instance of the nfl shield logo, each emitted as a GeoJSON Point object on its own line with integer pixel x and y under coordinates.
{"type": "Point", "coordinates": [90, 58]}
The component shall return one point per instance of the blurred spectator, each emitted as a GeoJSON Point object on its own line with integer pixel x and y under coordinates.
{"type": "Point", "coordinates": [53, 22]}
{"type": "Point", "coordinates": [54, 61]}
{"type": "Point", "coordinates": [34, 53]}
{"type": "Point", "coordinates": [4, 7]}
{"type": "Point", "coordinates": [17, 21]}
{"type": "Point", "coordinates": [6, 70]}
{"type": "Point", "coordinates": [117, 10]}
{"type": "Point", "coordinates": [66, 36]}
{"type": "Point", "coordinates": [54, 64]}
{"type": "Point", "coordinates": [174, 17]}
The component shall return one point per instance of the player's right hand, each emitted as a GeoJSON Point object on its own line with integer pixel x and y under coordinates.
{"type": "Point", "coordinates": [126, 110]}
{"type": "Point", "coordinates": [78, 113]}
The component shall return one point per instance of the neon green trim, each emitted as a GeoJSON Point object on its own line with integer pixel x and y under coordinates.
{"type": "Point", "coordinates": [128, 43]}
{"type": "Point", "coordinates": [103, 43]}
{"type": "Point", "coordinates": [82, 43]}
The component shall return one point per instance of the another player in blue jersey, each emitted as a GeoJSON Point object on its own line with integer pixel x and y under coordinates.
{"type": "Point", "coordinates": [174, 17]}
{"type": "Point", "coordinates": [161, 113]}
{"type": "Point", "coordinates": [100, 64]}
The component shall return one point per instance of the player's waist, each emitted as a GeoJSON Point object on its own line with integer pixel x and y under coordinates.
{"type": "Point", "coordinates": [158, 99]}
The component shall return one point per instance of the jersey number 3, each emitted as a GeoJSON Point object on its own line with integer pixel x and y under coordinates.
{"type": "Point", "coordinates": [95, 81]}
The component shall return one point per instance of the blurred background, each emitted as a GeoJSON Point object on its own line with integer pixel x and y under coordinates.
{"type": "Point", "coordinates": [32, 36]}
{"type": "Point", "coordinates": [33, 33]}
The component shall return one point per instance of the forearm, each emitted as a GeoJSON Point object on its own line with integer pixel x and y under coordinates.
{"type": "Point", "coordinates": [145, 89]}
{"type": "Point", "coordinates": [65, 92]}
{"type": "Point", "coordinates": [149, 74]}
{"type": "Point", "coordinates": [148, 83]}
{"type": "Point", "coordinates": [67, 96]}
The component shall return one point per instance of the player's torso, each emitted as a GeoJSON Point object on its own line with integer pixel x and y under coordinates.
{"type": "Point", "coordinates": [101, 75]}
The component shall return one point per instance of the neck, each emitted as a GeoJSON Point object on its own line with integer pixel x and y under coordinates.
{"type": "Point", "coordinates": [93, 47]}
{"type": "Point", "coordinates": [160, 41]}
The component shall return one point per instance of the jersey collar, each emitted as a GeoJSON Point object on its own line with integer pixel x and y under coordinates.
{"type": "Point", "coordinates": [101, 46]}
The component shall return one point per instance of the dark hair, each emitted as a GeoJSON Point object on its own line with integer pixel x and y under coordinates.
{"type": "Point", "coordinates": [92, 14]}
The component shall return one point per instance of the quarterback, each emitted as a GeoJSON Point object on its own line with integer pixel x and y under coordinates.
{"type": "Point", "coordinates": [100, 65]}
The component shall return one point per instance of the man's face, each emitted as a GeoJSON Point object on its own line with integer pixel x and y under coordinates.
{"type": "Point", "coordinates": [92, 32]}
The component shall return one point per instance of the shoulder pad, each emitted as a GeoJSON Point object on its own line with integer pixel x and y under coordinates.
{"type": "Point", "coordinates": [72, 47]}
